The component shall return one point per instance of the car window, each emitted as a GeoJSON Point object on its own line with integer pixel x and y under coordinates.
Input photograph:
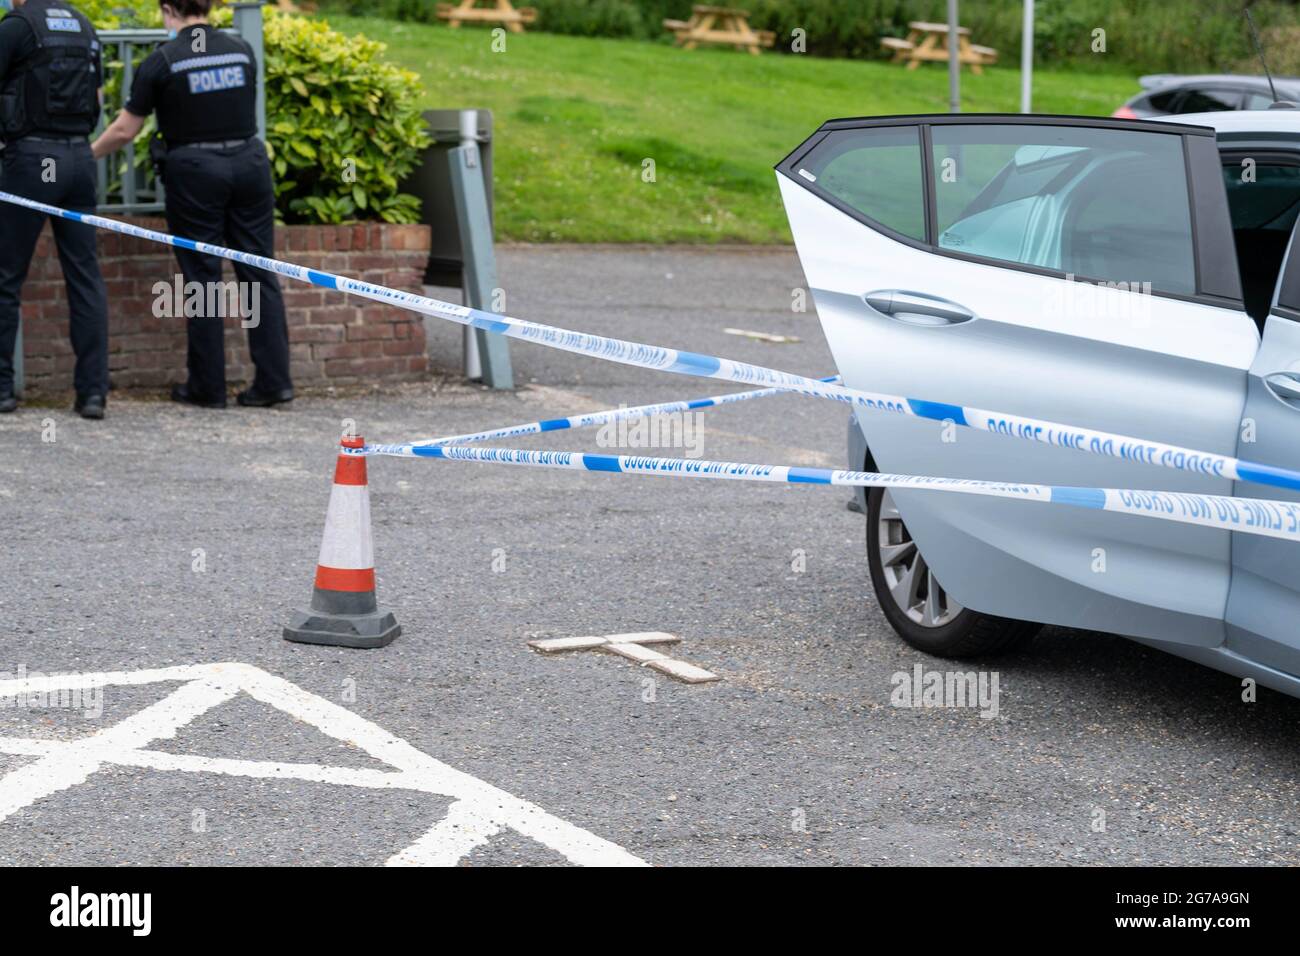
{"type": "Point", "coordinates": [1102, 204]}
{"type": "Point", "coordinates": [874, 171]}
{"type": "Point", "coordinates": [1209, 101]}
{"type": "Point", "coordinates": [1262, 197]}
{"type": "Point", "coordinates": [1258, 101]}
{"type": "Point", "coordinates": [1165, 101]}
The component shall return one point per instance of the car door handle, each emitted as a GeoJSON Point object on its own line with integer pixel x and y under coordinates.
{"type": "Point", "coordinates": [917, 308]}
{"type": "Point", "coordinates": [1285, 385]}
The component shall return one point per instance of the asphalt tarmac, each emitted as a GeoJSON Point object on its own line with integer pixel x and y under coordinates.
{"type": "Point", "coordinates": [167, 537]}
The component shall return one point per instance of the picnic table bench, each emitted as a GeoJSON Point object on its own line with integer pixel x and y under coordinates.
{"type": "Point", "coordinates": [724, 26]}
{"type": "Point", "coordinates": [468, 11]}
{"type": "Point", "coordinates": [929, 42]}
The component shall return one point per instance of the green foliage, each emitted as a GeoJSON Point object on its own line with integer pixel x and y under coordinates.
{"type": "Point", "coordinates": [1148, 36]}
{"type": "Point", "coordinates": [343, 126]}
{"type": "Point", "coordinates": [596, 18]}
{"type": "Point", "coordinates": [575, 119]}
{"type": "Point", "coordinates": [116, 14]}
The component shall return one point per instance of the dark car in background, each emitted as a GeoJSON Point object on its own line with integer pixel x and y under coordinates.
{"type": "Point", "coordinates": [1166, 94]}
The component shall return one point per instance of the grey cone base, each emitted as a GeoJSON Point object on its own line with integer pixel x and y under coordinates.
{"type": "Point", "coordinates": [376, 629]}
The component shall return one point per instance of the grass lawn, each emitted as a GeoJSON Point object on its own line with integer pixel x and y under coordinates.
{"type": "Point", "coordinates": [575, 118]}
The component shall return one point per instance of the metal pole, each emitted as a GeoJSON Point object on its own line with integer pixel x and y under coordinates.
{"type": "Point", "coordinates": [247, 22]}
{"type": "Point", "coordinates": [469, 143]}
{"type": "Point", "coordinates": [954, 61]}
{"type": "Point", "coordinates": [124, 50]}
{"type": "Point", "coordinates": [1027, 60]}
{"type": "Point", "coordinates": [20, 371]}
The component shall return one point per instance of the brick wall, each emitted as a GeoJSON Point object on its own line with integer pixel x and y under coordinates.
{"type": "Point", "coordinates": [333, 338]}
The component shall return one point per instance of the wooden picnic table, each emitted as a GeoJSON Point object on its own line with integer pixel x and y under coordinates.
{"type": "Point", "coordinates": [929, 42]}
{"type": "Point", "coordinates": [725, 26]}
{"type": "Point", "coordinates": [468, 11]}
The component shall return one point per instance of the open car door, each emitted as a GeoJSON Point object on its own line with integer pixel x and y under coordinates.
{"type": "Point", "coordinates": [1071, 269]}
{"type": "Point", "coordinates": [1264, 605]}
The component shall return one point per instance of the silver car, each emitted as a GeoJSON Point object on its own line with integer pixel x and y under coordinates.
{"type": "Point", "coordinates": [1130, 276]}
{"type": "Point", "coordinates": [1168, 94]}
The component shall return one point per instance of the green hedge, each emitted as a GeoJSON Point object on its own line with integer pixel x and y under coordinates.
{"type": "Point", "coordinates": [343, 127]}
{"type": "Point", "coordinates": [1146, 36]}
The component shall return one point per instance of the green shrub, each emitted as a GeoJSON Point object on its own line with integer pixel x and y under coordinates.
{"type": "Point", "coordinates": [114, 14]}
{"type": "Point", "coordinates": [343, 127]}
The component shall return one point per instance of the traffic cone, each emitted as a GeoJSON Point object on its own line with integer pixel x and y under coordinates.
{"type": "Point", "coordinates": [343, 610]}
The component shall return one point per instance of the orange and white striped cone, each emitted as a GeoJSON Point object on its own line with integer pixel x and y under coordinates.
{"type": "Point", "coordinates": [343, 610]}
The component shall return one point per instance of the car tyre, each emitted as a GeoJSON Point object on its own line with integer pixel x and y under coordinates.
{"type": "Point", "coordinates": [916, 605]}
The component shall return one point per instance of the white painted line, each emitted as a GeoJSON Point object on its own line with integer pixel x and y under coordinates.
{"type": "Point", "coordinates": [478, 812]}
{"type": "Point", "coordinates": [632, 647]}
{"type": "Point", "coordinates": [451, 839]}
{"type": "Point", "coordinates": [73, 764]}
{"type": "Point", "coordinates": [265, 769]}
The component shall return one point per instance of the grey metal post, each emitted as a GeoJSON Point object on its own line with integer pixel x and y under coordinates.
{"type": "Point", "coordinates": [480, 268]}
{"type": "Point", "coordinates": [954, 61]}
{"type": "Point", "coordinates": [473, 364]}
{"type": "Point", "coordinates": [1027, 60]}
{"type": "Point", "coordinates": [128, 78]}
{"type": "Point", "coordinates": [248, 23]}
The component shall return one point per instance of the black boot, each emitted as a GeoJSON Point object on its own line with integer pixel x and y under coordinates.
{"type": "Point", "coordinates": [90, 406]}
{"type": "Point", "coordinates": [252, 398]}
{"type": "Point", "coordinates": [182, 394]}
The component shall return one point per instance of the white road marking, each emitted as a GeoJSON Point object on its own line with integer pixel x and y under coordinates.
{"type": "Point", "coordinates": [463, 829]}
{"type": "Point", "coordinates": [478, 812]}
{"type": "Point", "coordinates": [73, 763]}
{"type": "Point", "coordinates": [632, 646]}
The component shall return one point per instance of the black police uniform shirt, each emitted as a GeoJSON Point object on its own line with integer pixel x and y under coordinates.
{"type": "Point", "coordinates": [203, 89]}
{"type": "Point", "coordinates": [17, 43]}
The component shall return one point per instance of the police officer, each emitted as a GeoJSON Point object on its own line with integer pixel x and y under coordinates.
{"type": "Point", "coordinates": [202, 84]}
{"type": "Point", "coordinates": [50, 78]}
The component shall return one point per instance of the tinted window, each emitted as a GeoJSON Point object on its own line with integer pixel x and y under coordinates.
{"type": "Point", "coordinates": [1098, 203]}
{"type": "Point", "coordinates": [875, 171]}
{"type": "Point", "coordinates": [1165, 101]}
{"type": "Point", "coordinates": [1209, 101]}
{"type": "Point", "coordinates": [1262, 197]}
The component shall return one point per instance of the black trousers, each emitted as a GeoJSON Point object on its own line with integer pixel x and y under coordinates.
{"type": "Point", "coordinates": [59, 174]}
{"type": "Point", "coordinates": [225, 197]}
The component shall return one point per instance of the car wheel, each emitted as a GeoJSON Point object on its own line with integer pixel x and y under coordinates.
{"type": "Point", "coordinates": [915, 603]}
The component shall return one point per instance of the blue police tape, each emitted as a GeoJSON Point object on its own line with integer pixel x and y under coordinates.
{"type": "Point", "coordinates": [582, 421]}
{"type": "Point", "coordinates": [696, 364]}
{"type": "Point", "coordinates": [1274, 519]}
